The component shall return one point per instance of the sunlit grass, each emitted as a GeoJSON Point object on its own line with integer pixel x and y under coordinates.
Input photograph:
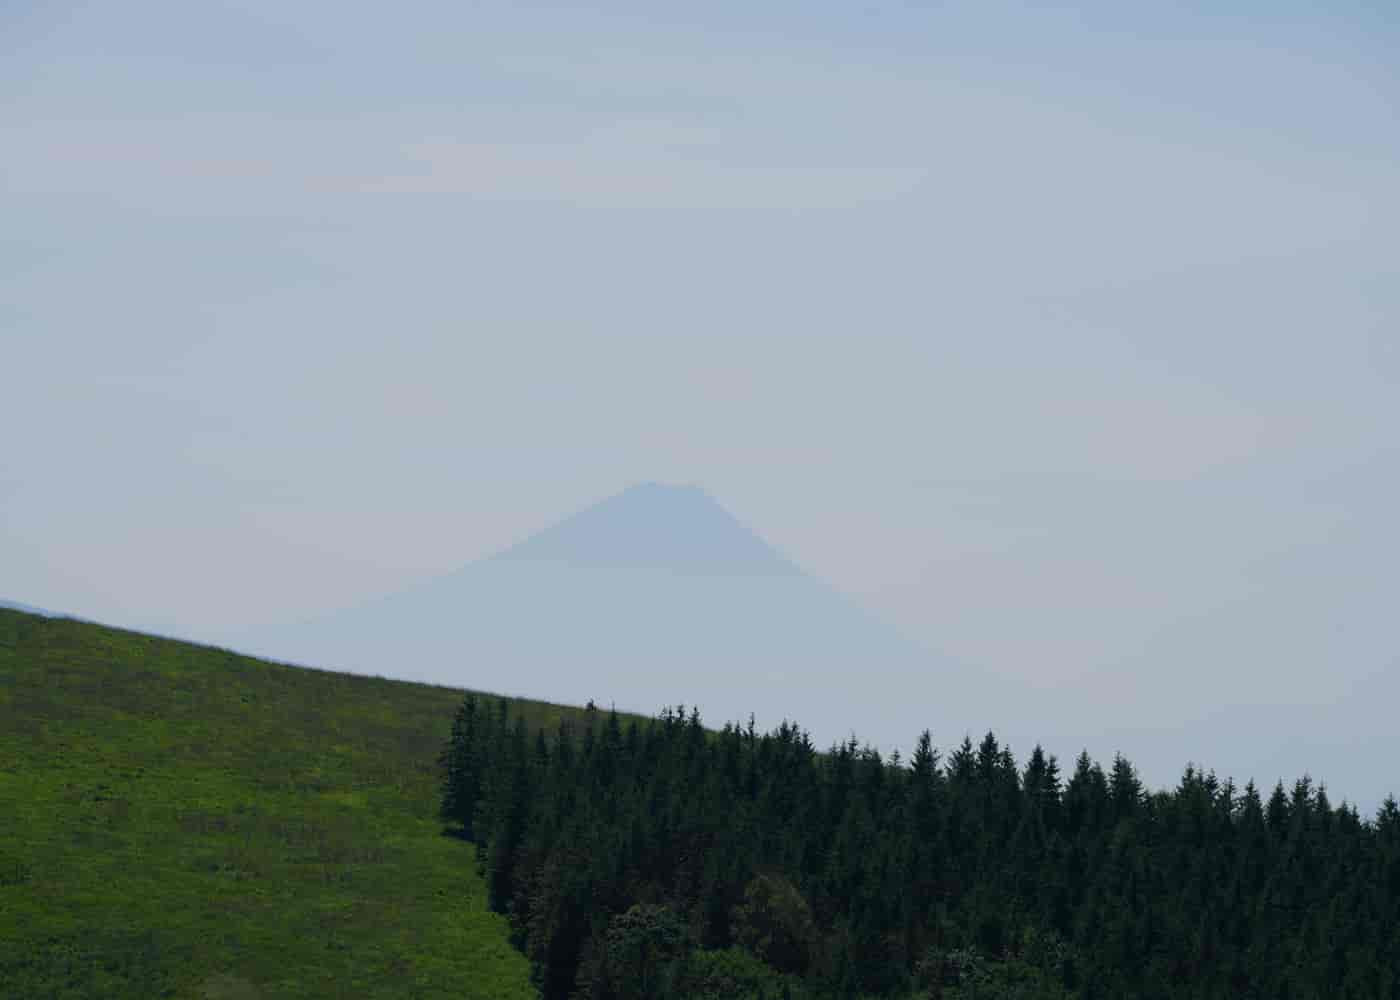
{"type": "Point", "coordinates": [182, 821]}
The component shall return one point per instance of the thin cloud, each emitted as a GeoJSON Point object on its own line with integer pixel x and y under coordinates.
{"type": "Point", "coordinates": [562, 173]}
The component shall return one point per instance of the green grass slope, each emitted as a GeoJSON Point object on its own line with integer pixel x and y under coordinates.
{"type": "Point", "coordinates": [183, 821]}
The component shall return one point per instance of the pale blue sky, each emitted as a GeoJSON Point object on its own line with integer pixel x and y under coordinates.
{"type": "Point", "coordinates": [1066, 340]}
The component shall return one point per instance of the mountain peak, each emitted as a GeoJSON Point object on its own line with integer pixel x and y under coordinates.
{"type": "Point", "coordinates": [657, 526]}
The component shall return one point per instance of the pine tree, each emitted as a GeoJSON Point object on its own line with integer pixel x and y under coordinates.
{"type": "Point", "coordinates": [461, 768]}
{"type": "Point", "coordinates": [995, 875]}
{"type": "Point", "coordinates": [1124, 789]}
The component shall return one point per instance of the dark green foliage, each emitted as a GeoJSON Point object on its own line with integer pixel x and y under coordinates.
{"type": "Point", "coordinates": [1035, 973]}
{"type": "Point", "coordinates": [461, 763]}
{"type": "Point", "coordinates": [734, 974]}
{"type": "Point", "coordinates": [661, 859]}
{"type": "Point", "coordinates": [775, 923]}
{"type": "Point", "coordinates": [641, 955]}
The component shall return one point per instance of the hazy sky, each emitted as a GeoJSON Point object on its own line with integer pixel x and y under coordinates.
{"type": "Point", "coordinates": [1067, 340]}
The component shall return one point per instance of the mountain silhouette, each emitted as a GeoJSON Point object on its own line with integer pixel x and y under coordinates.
{"type": "Point", "coordinates": [656, 596]}
{"type": "Point", "coordinates": [679, 529]}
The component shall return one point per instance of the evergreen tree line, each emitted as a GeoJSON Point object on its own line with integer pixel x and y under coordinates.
{"type": "Point", "coordinates": [661, 859]}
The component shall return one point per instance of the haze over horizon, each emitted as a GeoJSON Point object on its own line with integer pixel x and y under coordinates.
{"type": "Point", "coordinates": [1063, 341]}
{"type": "Point", "coordinates": [651, 598]}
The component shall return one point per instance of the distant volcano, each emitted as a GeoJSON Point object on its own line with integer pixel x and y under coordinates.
{"type": "Point", "coordinates": [653, 597]}
{"type": "Point", "coordinates": [678, 529]}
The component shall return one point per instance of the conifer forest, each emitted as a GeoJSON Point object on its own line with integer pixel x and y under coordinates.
{"type": "Point", "coordinates": [640, 859]}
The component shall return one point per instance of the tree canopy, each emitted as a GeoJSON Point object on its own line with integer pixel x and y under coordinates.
{"type": "Point", "coordinates": [666, 860]}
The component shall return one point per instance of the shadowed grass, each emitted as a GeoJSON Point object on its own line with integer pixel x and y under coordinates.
{"type": "Point", "coordinates": [177, 820]}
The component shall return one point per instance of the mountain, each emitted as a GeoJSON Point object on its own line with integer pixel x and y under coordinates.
{"type": "Point", "coordinates": [653, 597]}
{"type": "Point", "coordinates": [676, 529]}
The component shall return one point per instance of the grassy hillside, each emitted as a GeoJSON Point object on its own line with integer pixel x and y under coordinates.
{"type": "Point", "coordinates": [183, 821]}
